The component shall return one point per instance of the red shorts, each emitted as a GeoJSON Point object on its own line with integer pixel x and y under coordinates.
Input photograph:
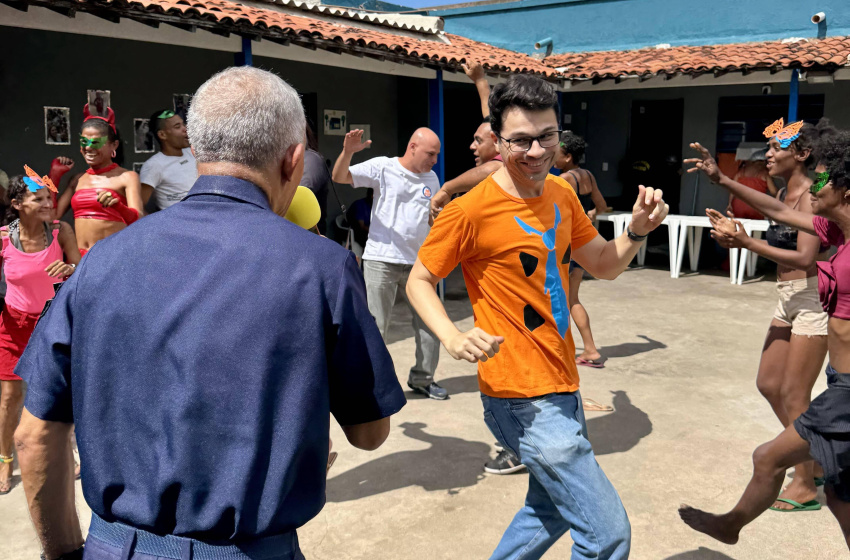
{"type": "Point", "coordinates": [15, 331]}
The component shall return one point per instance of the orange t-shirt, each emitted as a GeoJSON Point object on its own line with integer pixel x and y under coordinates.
{"type": "Point", "coordinates": [513, 253]}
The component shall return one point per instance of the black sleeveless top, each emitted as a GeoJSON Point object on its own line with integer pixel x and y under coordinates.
{"type": "Point", "coordinates": [782, 236]}
{"type": "Point", "coordinates": [586, 200]}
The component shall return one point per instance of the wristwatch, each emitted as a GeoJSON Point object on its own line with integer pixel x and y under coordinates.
{"type": "Point", "coordinates": [633, 236]}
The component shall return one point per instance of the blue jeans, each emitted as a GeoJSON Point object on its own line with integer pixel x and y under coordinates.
{"type": "Point", "coordinates": [567, 489]}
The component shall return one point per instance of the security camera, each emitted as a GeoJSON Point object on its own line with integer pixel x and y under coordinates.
{"type": "Point", "coordinates": [766, 90]}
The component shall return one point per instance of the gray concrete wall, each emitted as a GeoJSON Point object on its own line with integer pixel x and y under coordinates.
{"type": "Point", "coordinates": [607, 119]}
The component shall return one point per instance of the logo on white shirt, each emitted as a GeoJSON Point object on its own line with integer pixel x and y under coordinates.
{"type": "Point", "coordinates": [427, 192]}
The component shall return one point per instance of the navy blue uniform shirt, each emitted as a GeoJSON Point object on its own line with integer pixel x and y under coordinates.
{"type": "Point", "coordinates": [200, 353]}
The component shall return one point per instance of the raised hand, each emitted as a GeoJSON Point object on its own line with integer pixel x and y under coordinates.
{"type": "Point", "coordinates": [59, 269]}
{"type": "Point", "coordinates": [728, 232]}
{"type": "Point", "coordinates": [649, 211]}
{"type": "Point", "coordinates": [474, 345]}
{"type": "Point", "coordinates": [353, 142]}
{"type": "Point", "coordinates": [106, 199]}
{"type": "Point", "coordinates": [720, 222]}
{"type": "Point", "coordinates": [705, 163]}
{"type": "Point", "coordinates": [474, 70]}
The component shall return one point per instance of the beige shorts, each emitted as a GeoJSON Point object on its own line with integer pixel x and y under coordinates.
{"type": "Point", "coordinates": [799, 306]}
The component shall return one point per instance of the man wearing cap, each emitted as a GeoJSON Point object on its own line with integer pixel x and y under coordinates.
{"type": "Point", "coordinates": [170, 173]}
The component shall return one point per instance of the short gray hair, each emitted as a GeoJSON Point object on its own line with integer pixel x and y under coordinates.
{"type": "Point", "coordinates": [245, 115]}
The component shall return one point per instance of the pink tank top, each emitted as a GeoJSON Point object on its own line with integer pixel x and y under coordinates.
{"type": "Point", "coordinates": [834, 274]}
{"type": "Point", "coordinates": [28, 287]}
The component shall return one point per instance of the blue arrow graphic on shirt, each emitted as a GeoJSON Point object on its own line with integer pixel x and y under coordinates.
{"type": "Point", "coordinates": [553, 287]}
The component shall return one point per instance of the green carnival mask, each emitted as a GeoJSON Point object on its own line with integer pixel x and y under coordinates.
{"type": "Point", "coordinates": [93, 143]}
{"type": "Point", "coordinates": [822, 180]}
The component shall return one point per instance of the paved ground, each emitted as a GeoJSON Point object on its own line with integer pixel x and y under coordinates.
{"type": "Point", "coordinates": [682, 358]}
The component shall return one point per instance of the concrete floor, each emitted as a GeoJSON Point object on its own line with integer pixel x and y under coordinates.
{"type": "Point", "coordinates": [682, 356]}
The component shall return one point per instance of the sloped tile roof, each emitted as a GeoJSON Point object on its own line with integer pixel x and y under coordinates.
{"type": "Point", "coordinates": [335, 33]}
{"type": "Point", "coordinates": [829, 53]}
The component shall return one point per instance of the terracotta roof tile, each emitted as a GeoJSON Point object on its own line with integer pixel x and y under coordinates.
{"type": "Point", "coordinates": [696, 60]}
{"type": "Point", "coordinates": [443, 49]}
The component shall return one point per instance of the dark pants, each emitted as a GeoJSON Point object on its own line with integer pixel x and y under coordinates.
{"type": "Point", "coordinates": [115, 541]}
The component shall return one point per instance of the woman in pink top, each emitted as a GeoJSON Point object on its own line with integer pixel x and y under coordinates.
{"type": "Point", "coordinates": [822, 432]}
{"type": "Point", "coordinates": [32, 258]}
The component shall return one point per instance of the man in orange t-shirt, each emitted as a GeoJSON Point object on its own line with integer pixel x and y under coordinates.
{"type": "Point", "coordinates": [511, 235]}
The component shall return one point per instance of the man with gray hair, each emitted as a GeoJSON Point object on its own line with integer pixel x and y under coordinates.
{"type": "Point", "coordinates": [399, 224]}
{"type": "Point", "coordinates": [203, 429]}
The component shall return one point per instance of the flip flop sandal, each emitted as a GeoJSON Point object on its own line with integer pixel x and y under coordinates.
{"type": "Point", "coordinates": [4, 492]}
{"type": "Point", "coordinates": [819, 481]}
{"type": "Point", "coordinates": [589, 363]}
{"type": "Point", "coordinates": [813, 505]}
{"type": "Point", "coordinates": [331, 458]}
{"type": "Point", "coordinates": [591, 405]}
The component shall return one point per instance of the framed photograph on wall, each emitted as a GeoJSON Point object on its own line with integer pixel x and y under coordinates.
{"type": "Point", "coordinates": [334, 123]}
{"type": "Point", "coordinates": [143, 142]}
{"type": "Point", "coordinates": [182, 101]}
{"type": "Point", "coordinates": [99, 101]}
{"type": "Point", "coordinates": [57, 126]}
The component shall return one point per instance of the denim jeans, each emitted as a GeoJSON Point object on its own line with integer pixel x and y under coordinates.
{"type": "Point", "coordinates": [567, 489]}
{"type": "Point", "coordinates": [383, 282]}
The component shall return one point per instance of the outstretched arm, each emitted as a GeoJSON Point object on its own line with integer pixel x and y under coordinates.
{"type": "Point", "coordinates": [462, 183]}
{"type": "Point", "coordinates": [350, 146]}
{"type": "Point", "coordinates": [767, 205]}
{"type": "Point", "coordinates": [607, 259]}
{"type": "Point", "coordinates": [473, 345]}
{"type": "Point", "coordinates": [475, 71]}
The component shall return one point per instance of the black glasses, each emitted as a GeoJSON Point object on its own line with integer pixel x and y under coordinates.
{"type": "Point", "coordinates": [546, 140]}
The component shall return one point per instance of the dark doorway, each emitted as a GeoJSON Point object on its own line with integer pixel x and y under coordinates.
{"type": "Point", "coordinates": [311, 110]}
{"type": "Point", "coordinates": [654, 156]}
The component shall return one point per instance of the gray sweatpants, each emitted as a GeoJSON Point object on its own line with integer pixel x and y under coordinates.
{"type": "Point", "coordinates": [383, 281]}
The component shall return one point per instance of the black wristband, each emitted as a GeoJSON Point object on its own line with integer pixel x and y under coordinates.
{"type": "Point", "coordinates": [633, 236]}
{"type": "Point", "coordinates": [74, 555]}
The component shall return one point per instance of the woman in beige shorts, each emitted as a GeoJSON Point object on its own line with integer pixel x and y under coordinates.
{"type": "Point", "coordinates": [796, 343]}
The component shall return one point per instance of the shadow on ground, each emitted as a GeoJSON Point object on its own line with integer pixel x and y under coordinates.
{"type": "Point", "coordinates": [620, 430]}
{"type": "Point", "coordinates": [447, 464]}
{"type": "Point", "coordinates": [701, 553]}
{"type": "Point", "coordinates": [628, 349]}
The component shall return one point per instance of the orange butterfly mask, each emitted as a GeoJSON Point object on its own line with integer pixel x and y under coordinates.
{"type": "Point", "coordinates": [784, 134]}
{"type": "Point", "coordinates": [34, 182]}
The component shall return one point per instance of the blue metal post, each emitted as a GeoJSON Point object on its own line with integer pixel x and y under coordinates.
{"type": "Point", "coordinates": [436, 121]}
{"type": "Point", "coordinates": [794, 96]}
{"type": "Point", "coordinates": [246, 57]}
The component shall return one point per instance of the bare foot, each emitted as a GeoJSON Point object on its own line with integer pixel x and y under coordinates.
{"type": "Point", "coordinates": [712, 525]}
{"type": "Point", "coordinates": [799, 491]}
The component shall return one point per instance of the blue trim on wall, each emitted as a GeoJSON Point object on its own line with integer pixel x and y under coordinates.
{"type": "Point", "coordinates": [246, 57]}
{"type": "Point", "coordinates": [436, 121]}
{"type": "Point", "coordinates": [633, 24]}
{"type": "Point", "coordinates": [793, 96]}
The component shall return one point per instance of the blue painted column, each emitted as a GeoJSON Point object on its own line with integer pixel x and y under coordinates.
{"type": "Point", "coordinates": [246, 57]}
{"type": "Point", "coordinates": [793, 96]}
{"type": "Point", "coordinates": [436, 121]}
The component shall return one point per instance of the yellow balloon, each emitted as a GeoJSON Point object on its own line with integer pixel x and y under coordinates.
{"type": "Point", "coordinates": [304, 210]}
